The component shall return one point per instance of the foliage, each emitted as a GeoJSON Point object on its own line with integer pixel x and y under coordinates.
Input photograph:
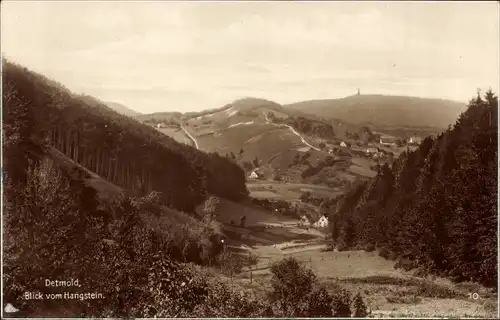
{"type": "Point", "coordinates": [341, 304]}
{"type": "Point", "coordinates": [311, 127]}
{"type": "Point", "coordinates": [290, 282]}
{"type": "Point", "coordinates": [435, 207]}
{"type": "Point", "coordinates": [359, 308]}
{"type": "Point", "coordinates": [114, 146]}
{"type": "Point", "coordinates": [212, 206]}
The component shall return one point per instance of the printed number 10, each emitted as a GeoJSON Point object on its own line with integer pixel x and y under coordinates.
{"type": "Point", "coordinates": [474, 296]}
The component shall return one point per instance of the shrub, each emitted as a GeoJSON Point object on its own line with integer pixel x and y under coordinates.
{"type": "Point", "coordinates": [212, 206]}
{"type": "Point", "coordinates": [341, 304]}
{"type": "Point", "coordinates": [320, 304]}
{"type": "Point", "coordinates": [243, 221]}
{"type": "Point", "coordinates": [359, 308]}
{"type": "Point", "coordinates": [327, 248]}
{"type": "Point", "coordinates": [290, 283]}
{"type": "Point", "coordinates": [369, 247]}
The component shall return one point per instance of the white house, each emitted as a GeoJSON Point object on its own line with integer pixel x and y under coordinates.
{"type": "Point", "coordinates": [387, 142]}
{"type": "Point", "coordinates": [255, 175]}
{"type": "Point", "coordinates": [321, 223]}
{"type": "Point", "coordinates": [372, 150]}
{"type": "Point", "coordinates": [415, 140]}
{"type": "Point", "coordinates": [344, 144]}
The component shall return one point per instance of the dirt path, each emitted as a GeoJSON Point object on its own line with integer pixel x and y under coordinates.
{"type": "Point", "coordinates": [190, 137]}
{"type": "Point", "coordinates": [294, 132]}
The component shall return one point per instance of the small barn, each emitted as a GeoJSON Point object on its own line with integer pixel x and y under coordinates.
{"type": "Point", "coordinates": [415, 140]}
{"type": "Point", "coordinates": [255, 175]}
{"type": "Point", "coordinates": [344, 144]}
{"type": "Point", "coordinates": [322, 222]}
{"type": "Point", "coordinates": [372, 150]}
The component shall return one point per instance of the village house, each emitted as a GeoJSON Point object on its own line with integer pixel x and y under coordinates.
{"type": "Point", "coordinates": [372, 150]}
{"type": "Point", "coordinates": [415, 140]}
{"type": "Point", "coordinates": [321, 223]}
{"type": "Point", "coordinates": [255, 175]}
{"type": "Point", "coordinates": [387, 142]}
{"type": "Point", "coordinates": [344, 144]}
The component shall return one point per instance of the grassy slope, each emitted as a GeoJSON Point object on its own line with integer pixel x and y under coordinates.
{"type": "Point", "coordinates": [386, 111]}
{"type": "Point", "coordinates": [242, 125]}
{"type": "Point", "coordinates": [177, 134]}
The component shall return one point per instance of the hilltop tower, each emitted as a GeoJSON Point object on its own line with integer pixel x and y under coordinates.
{"type": "Point", "coordinates": [358, 92]}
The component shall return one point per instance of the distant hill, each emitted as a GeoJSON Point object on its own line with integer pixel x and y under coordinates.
{"type": "Point", "coordinates": [382, 110]}
{"type": "Point", "coordinates": [120, 108]}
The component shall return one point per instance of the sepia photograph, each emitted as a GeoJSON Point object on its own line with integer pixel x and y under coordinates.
{"type": "Point", "coordinates": [249, 159]}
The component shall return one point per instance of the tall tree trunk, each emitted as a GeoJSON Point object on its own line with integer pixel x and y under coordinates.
{"type": "Point", "coordinates": [115, 172]}
{"type": "Point", "coordinates": [98, 160]}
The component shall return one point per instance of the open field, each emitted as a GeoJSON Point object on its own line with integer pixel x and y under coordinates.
{"type": "Point", "coordinates": [288, 191]}
{"type": "Point", "coordinates": [388, 292]}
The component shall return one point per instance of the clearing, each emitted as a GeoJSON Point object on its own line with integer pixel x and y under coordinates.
{"type": "Point", "coordinates": [288, 191]}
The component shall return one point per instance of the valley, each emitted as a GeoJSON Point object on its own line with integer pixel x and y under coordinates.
{"type": "Point", "coordinates": [390, 292]}
{"type": "Point", "coordinates": [220, 194]}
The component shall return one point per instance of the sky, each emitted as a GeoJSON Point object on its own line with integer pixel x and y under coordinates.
{"type": "Point", "coordinates": [188, 56]}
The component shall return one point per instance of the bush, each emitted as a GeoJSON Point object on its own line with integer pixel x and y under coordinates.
{"type": "Point", "coordinates": [320, 304]}
{"type": "Point", "coordinates": [369, 247]}
{"type": "Point", "coordinates": [387, 254]}
{"type": "Point", "coordinates": [359, 308]}
{"type": "Point", "coordinates": [327, 248]}
{"type": "Point", "coordinates": [290, 283]}
{"type": "Point", "coordinates": [341, 304]}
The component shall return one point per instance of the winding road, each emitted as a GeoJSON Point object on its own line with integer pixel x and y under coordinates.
{"type": "Point", "coordinates": [293, 130]}
{"type": "Point", "coordinates": [267, 121]}
{"type": "Point", "coordinates": [190, 137]}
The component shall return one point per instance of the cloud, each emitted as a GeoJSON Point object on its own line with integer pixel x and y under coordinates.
{"type": "Point", "coordinates": [282, 50]}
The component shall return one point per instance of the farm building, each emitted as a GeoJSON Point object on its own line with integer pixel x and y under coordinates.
{"type": "Point", "coordinates": [344, 144]}
{"type": "Point", "coordinates": [415, 140]}
{"type": "Point", "coordinates": [387, 141]}
{"type": "Point", "coordinates": [321, 223]}
{"type": "Point", "coordinates": [372, 150]}
{"type": "Point", "coordinates": [255, 175]}
{"type": "Point", "coordinates": [159, 125]}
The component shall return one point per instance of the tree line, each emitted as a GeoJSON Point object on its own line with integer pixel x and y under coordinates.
{"type": "Point", "coordinates": [435, 208]}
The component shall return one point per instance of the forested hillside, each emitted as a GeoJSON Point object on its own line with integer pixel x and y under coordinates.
{"type": "Point", "coordinates": [436, 208]}
{"type": "Point", "coordinates": [311, 127]}
{"type": "Point", "coordinates": [129, 154]}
